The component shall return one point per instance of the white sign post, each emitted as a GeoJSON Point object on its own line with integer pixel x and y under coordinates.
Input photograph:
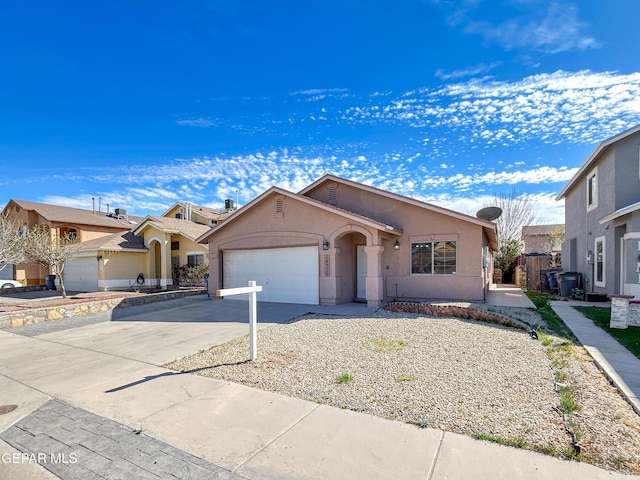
{"type": "Point", "coordinates": [252, 290]}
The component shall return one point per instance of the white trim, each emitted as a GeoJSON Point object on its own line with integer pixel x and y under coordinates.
{"type": "Point", "coordinates": [595, 191]}
{"type": "Point", "coordinates": [594, 155]}
{"type": "Point", "coordinates": [620, 212]}
{"type": "Point", "coordinates": [595, 262]}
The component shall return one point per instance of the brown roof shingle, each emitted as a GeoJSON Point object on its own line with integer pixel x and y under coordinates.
{"type": "Point", "coordinates": [77, 216]}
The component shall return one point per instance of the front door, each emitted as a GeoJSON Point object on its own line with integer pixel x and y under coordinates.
{"type": "Point", "coordinates": [361, 273]}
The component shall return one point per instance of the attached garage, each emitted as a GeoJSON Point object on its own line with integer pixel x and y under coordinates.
{"type": "Point", "coordinates": [81, 274]}
{"type": "Point", "coordinates": [288, 275]}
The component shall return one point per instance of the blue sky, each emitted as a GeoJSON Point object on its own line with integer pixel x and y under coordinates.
{"type": "Point", "coordinates": [145, 103]}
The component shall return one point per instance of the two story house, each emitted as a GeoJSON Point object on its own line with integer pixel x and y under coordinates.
{"type": "Point", "coordinates": [84, 225]}
{"type": "Point", "coordinates": [602, 217]}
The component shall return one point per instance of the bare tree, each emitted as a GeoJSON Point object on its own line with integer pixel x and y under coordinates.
{"type": "Point", "coordinates": [12, 242]}
{"type": "Point", "coordinates": [51, 250]}
{"type": "Point", "coordinates": [517, 211]}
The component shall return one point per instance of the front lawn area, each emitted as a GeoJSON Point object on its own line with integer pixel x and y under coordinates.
{"type": "Point", "coordinates": [630, 337]}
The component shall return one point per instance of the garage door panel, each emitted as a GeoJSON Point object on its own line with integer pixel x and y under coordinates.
{"type": "Point", "coordinates": [288, 275]}
{"type": "Point", "coordinates": [81, 275]}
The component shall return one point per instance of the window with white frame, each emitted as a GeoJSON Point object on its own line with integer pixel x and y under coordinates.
{"type": "Point", "coordinates": [195, 259]}
{"type": "Point", "coordinates": [433, 258]}
{"type": "Point", "coordinates": [599, 262]}
{"type": "Point", "coordinates": [592, 189]}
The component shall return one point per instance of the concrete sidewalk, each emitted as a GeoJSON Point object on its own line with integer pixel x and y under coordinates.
{"type": "Point", "coordinates": [97, 391]}
{"type": "Point", "coordinates": [507, 295]}
{"type": "Point", "coordinates": [620, 365]}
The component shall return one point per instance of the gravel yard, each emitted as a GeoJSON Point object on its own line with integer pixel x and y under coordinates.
{"type": "Point", "coordinates": [458, 375]}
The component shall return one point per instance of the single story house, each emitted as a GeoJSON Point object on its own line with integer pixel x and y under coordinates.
{"type": "Point", "coordinates": [107, 263]}
{"type": "Point", "coordinates": [337, 241]}
{"type": "Point", "coordinates": [171, 243]}
{"type": "Point", "coordinates": [153, 250]}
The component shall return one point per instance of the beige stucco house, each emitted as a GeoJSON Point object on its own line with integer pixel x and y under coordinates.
{"type": "Point", "coordinates": [152, 250]}
{"type": "Point", "coordinates": [148, 255]}
{"type": "Point", "coordinates": [337, 241]}
{"type": "Point", "coordinates": [107, 263]}
{"type": "Point", "coordinates": [171, 243]}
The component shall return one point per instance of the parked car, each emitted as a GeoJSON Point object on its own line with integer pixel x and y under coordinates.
{"type": "Point", "coordinates": [10, 284]}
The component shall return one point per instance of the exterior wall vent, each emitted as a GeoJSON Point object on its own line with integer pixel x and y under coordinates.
{"type": "Point", "coordinates": [333, 193]}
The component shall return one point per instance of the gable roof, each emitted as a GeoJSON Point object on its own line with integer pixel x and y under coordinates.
{"type": "Point", "coordinates": [209, 213]}
{"type": "Point", "coordinates": [75, 216]}
{"type": "Point", "coordinates": [490, 228]}
{"type": "Point", "coordinates": [532, 230]}
{"type": "Point", "coordinates": [309, 201]}
{"type": "Point", "coordinates": [602, 146]}
{"type": "Point", "coordinates": [115, 242]}
{"type": "Point", "coordinates": [186, 228]}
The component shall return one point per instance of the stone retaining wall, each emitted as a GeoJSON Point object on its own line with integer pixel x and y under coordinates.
{"type": "Point", "coordinates": [46, 314]}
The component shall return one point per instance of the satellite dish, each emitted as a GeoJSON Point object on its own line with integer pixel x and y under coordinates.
{"type": "Point", "coordinates": [489, 213]}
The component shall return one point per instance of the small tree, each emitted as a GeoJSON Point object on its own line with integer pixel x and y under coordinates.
{"type": "Point", "coordinates": [13, 246]}
{"type": "Point", "coordinates": [51, 251]}
{"type": "Point", "coordinates": [507, 257]}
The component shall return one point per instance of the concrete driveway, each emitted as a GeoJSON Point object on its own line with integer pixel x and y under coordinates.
{"type": "Point", "coordinates": [159, 333]}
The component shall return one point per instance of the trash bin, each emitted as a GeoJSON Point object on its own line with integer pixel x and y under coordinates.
{"type": "Point", "coordinates": [568, 281]}
{"type": "Point", "coordinates": [553, 281]}
{"type": "Point", "coordinates": [50, 282]}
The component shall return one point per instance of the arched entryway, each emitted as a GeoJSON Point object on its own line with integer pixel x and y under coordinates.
{"type": "Point", "coordinates": [155, 262]}
{"type": "Point", "coordinates": [351, 266]}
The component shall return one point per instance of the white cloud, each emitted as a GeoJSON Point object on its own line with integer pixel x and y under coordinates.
{"type": "Point", "coordinates": [541, 27]}
{"type": "Point", "coordinates": [196, 122]}
{"type": "Point", "coordinates": [580, 107]}
{"type": "Point", "coordinates": [473, 71]}
{"type": "Point", "coordinates": [559, 31]}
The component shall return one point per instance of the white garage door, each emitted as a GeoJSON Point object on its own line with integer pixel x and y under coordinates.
{"type": "Point", "coordinates": [288, 275]}
{"type": "Point", "coordinates": [81, 275]}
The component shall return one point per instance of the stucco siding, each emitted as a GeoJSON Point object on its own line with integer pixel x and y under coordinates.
{"type": "Point", "coordinates": [279, 221]}
{"type": "Point", "coordinates": [627, 172]}
{"type": "Point", "coordinates": [120, 270]}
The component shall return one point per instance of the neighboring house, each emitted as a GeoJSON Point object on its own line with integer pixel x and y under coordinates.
{"type": "Point", "coordinates": [543, 240]}
{"type": "Point", "coordinates": [171, 243]}
{"type": "Point", "coordinates": [602, 217]}
{"type": "Point", "coordinates": [542, 252]}
{"type": "Point", "coordinates": [198, 214]}
{"type": "Point", "coordinates": [81, 224]}
{"type": "Point", "coordinates": [338, 241]}
{"type": "Point", "coordinates": [107, 263]}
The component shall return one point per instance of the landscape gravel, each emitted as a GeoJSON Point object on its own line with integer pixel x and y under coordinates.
{"type": "Point", "coordinates": [463, 376]}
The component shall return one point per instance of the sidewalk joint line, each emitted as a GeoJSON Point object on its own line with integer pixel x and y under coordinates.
{"type": "Point", "coordinates": [250, 457]}
{"type": "Point", "coordinates": [432, 468]}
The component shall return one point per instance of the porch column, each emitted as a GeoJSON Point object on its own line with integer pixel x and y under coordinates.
{"type": "Point", "coordinates": [375, 282]}
{"type": "Point", "coordinates": [215, 277]}
{"type": "Point", "coordinates": [330, 285]}
{"type": "Point", "coordinates": [166, 278]}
